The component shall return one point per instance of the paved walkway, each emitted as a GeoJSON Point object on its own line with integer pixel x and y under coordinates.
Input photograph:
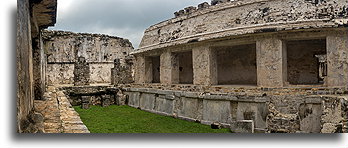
{"type": "Point", "coordinates": [60, 116]}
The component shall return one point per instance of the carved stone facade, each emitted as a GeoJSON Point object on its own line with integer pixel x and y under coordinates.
{"type": "Point", "coordinates": [250, 63]}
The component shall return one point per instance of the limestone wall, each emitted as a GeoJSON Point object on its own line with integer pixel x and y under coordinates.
{"type": "Point", "coordinates": [64, 48]}
{"type": "Point", "coordinates": [244, 17]}
{"type": "Point", "coordinates": [271, 111]}
{"type": "Point", "coordinates": [30, 21]}
{"type": "Point", "coordinates": [24, 63]}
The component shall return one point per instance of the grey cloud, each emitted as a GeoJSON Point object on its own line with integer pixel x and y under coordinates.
{"type": "Point", "coordinates": [123, 18]}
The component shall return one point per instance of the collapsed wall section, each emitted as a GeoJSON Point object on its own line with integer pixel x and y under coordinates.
{"type": "Point", "coordinates": [64, 48]}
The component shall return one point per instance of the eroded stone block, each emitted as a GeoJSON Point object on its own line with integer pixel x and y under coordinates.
{"type": "Point", "coordinates": [242, 126]}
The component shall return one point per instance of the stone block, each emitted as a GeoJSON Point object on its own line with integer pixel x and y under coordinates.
{"type": "Point", "coordinates": [215, 2]}
{"type": "Point", "coordinates": [85, 106]}
{"type": "Point", "coordinates": [310, 116]}
{"type": "Point", "coordinates": [133, 99]}
{"type": "Point", "coordinates": [179, 13]}
{"type": "Point", "coordinates": [203, 5]}
{"type": "Point", "coordinates": [106, 101]}
{"type": "Point", "coordinates": [190, 9]}
{"type": "Point", "coordinates": [253, 111]}
{"type": "Point", "coordinates": [216, 111]}
{"type": "Point", "coordinates": [147, 101]}
{"type": "Point", "coordinates": [164, 105]}
{"type": "Point", "coordinates": [190, 108]}
{"type": "Point", "coordinates": [242, 126]}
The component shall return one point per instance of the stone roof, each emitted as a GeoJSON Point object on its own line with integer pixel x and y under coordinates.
{"type": "Point", "coordinates": [240, 17]}
{"type": "Point", "coordinates": [45, 12]}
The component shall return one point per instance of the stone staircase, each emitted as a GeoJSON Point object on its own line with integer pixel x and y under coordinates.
{"type": "Point", "coordinates": [59, 116]}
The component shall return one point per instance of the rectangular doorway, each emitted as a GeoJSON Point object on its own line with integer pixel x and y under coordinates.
{"type": "Point", "coordinates": [237, 65]}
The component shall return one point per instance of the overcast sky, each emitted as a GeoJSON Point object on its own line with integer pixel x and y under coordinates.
{"type": "Point", "coordinates": [123, 18]}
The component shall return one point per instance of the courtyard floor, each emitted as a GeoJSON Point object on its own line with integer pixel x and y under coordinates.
{"type": "Point", "coordinates": [125, 119]}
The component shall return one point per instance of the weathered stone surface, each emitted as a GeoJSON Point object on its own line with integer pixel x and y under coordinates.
{"type": "Point", "coordinates": [59, 115]}
{"type": "Point", "coordinates": [203, 5]}
{"type": "Point", "coordinates": [310, 116]}
{"type": "Point", "coordinates": [215, 2]}
{"type": "Point", "coordinates": [190, 108]}
{"type": "Point", "coordinates": [242, 126]}
{"type": "Point", "coordinates": [271, 63]}
{"type": "Point", "coordinates": [217, 111]}
{"type": "Point", "coordinates": [164, 105]}
{"type": "Point", "coordinates": [81, 72]}
{"type": "Point", "coordinates": [31, 18]}
{"type": "Point", "coordinates": [147, 101]}
{"type": "Point", "coordinates": [64, 48]}
{"type": "Point", "coordinates": [204, 66]}
{"type": "Point", "coordinates": [121, 74]}
{"type": "Point", "coordinates": [86, 102]}
{"type": "Point", "coordinates": [121, 98]}
{"type": "Point", "coordinates": [337, 59]}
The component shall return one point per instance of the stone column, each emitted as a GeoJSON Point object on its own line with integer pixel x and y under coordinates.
{"type": "Point", "coordinates": [37, 69]}
{"type": "Point", "coordinates": [169, 68]}
{"type": "Point", "coordinates": [115, 72]}
{"type": "Point", "coordinates": [204, 66]}
{"type": "Point", "coordinates": [139, 69]}
{"type": "Point", "coordinates": [271, 62]}
{"type": "Point", "coordinates": [81, 72]}
{"type": "Point", "coordinates": [337, 58]}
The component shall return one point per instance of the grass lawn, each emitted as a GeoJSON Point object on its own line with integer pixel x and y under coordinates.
{"type": "Point", "coordinates": [125, 119]}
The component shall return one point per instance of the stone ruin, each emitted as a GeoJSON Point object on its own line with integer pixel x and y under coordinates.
{"type": "Point", "coordinates": [254, 66]}
{"type": "Point", "coordinates": [64, 49]}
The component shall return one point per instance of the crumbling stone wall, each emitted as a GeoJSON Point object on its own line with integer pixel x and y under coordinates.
{"type": "Point", "coordinates": [64, 48]}
{"type": "Point", "coordinates": [32, 16]}
{"type": "Point", "coordinates": [287, 110]}
{"type": "Point", "coordinates": [243, 17]}
{"type": "Point", "coordinates": [122, 74]}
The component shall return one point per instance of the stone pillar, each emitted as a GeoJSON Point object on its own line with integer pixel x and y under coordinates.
{"type": "Point", "coordinates": [81, 72]}
{"type": "Point", "coordinates": [37, 69]}
{"type": "Point", "coordinates": [115, 72]}
{"type": "Point", "coordinates": [204, 66]}
{"type": "Point", "coordinates": [271, 62]}
{"type": "Point", "coordinates": [139, 69]}
{"type": "Point", "coordinates": [121, 74]}
{"type": "Point", "coordinates": [148, 71]}
{"type": "Point", "coordinates": [169, 68]}
{"type": "Point", "coordinates": [337, 58]}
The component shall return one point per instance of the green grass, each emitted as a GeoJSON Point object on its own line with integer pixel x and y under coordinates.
{"type": "Point", "coordinates": [125, 119]}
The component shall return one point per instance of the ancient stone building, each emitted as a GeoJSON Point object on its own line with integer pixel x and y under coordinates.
{"type": "Point", "coordinates": [252, 65]}
{"type": "Point", "coordinates": [32, 17]}
{"type": "Point", "coordinates": [255, 66]}
{"type": "Point", "coordinates": [63, 49]}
